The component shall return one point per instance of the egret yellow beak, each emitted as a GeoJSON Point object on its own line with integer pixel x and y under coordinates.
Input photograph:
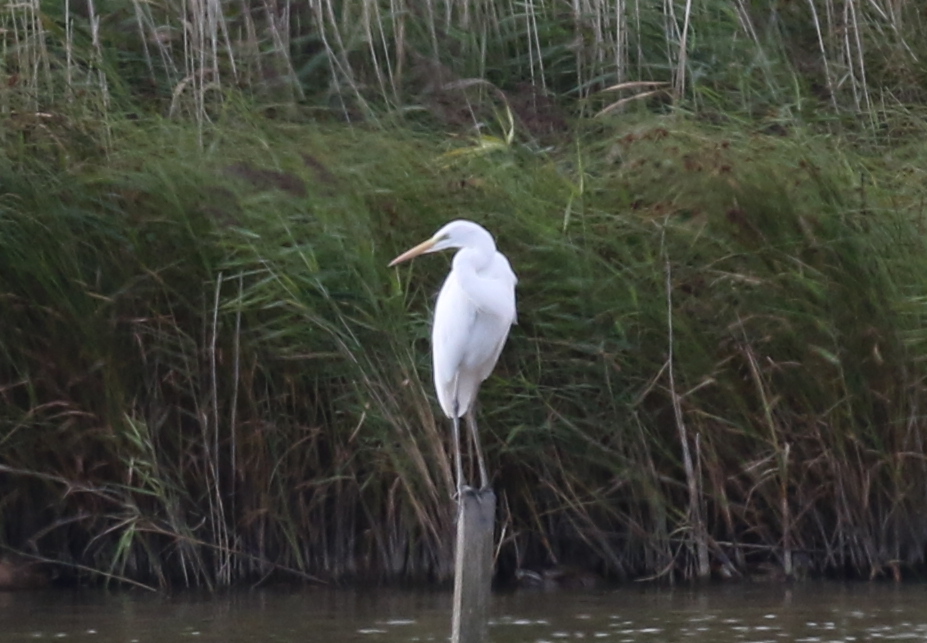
{"type": "Point", "coordinates": [421, 248]}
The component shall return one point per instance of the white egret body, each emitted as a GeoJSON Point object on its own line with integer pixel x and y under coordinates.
{"type": "Point", "coordinates": [475, 309]}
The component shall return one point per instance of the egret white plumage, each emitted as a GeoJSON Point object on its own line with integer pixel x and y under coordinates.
{"type": "Point", "coordinates": [473, 314]}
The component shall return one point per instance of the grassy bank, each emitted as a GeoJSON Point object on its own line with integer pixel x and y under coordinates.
{"type": "Point", "coordinates": [209, 376]}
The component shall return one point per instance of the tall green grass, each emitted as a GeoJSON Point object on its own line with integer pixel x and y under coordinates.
{"type": "Point", "coordinates": [209, 375]}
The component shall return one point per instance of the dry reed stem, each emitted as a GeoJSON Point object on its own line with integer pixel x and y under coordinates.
{"type": "Point", "coordinates": [679, 82]}
{"type": "Point", "coordinates": [698, 532]}
{"type": "Point", "coordinates": [618, 104]}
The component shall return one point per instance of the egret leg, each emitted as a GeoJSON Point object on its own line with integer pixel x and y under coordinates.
{"type": "Point", "coordinates": [475, 437]}
{"type": "Point", "coordinates": [458, 464]}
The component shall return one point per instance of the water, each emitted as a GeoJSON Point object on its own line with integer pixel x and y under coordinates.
{"type": "Point", "coordinates": [754, 613]}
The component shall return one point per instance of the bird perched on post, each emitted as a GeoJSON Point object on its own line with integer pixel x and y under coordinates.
{"type": "Point", "coordinates": [473, 314]}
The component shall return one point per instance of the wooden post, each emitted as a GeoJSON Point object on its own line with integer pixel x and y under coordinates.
{"type": "Point", "coordinates": [473, 566]}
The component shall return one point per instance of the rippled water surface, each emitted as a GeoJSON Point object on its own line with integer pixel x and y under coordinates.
{"type": "Point", "coordinates": [808, 612]}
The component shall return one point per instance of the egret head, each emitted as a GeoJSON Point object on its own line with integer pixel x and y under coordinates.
{"type": "Point", "coordinates": [456, 234]}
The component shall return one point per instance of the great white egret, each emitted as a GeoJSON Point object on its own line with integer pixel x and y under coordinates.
{"type": "Point", "coordinates": [475, 309]}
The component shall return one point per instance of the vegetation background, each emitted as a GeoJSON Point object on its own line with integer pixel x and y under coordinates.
{"type": "Point", "coordinates": [715, 207]}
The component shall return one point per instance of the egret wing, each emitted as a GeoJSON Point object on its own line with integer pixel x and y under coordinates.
{"type": "Point", "coordinates": [454, 319]}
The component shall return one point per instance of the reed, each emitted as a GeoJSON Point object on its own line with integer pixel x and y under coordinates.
{"type": "Point", "coordinates": [811, 59]}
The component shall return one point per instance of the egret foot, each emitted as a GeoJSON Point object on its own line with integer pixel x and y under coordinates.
{"type": "Point", "coordinates": [466, 490]}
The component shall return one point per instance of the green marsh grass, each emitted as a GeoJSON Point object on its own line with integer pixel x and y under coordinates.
{"type": "Point", "coordinates": [210, 376]}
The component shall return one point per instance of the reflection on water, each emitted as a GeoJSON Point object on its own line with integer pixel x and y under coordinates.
{"type": "Point", "coordinates": [808, 612]}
